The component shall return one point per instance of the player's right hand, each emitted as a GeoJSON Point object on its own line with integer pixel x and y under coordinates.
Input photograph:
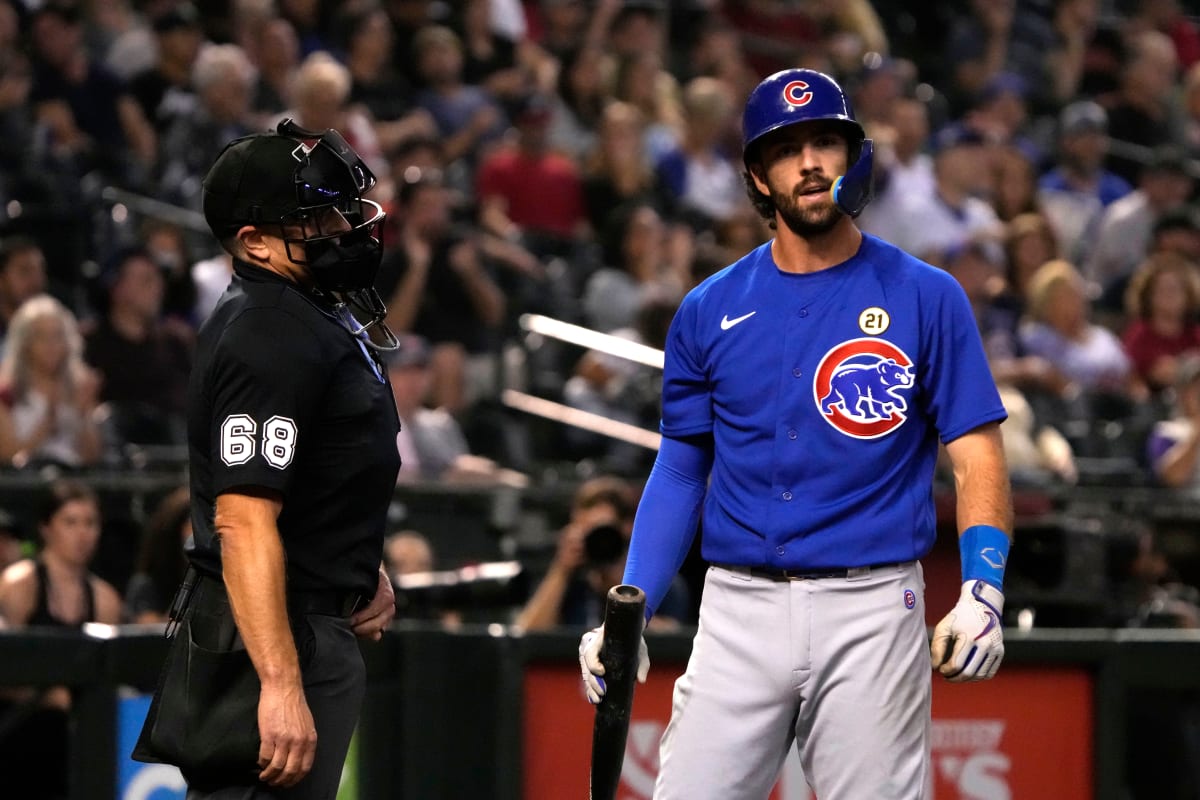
{"type": "Point", "coordinates": [593, 670]}
{"type": "Point", "coordinates": [968, 644]}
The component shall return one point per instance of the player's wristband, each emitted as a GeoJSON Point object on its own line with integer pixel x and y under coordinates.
{"type": "Point", "coordinates": [984, 551]}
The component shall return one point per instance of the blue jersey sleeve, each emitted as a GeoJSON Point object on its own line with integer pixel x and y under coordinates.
{"type": "Point", "coordinates": [958, 386]}
{"type": "Point", "coordinates": [668, 516]}
{"type": "Point", "coordinates": [686, 398]}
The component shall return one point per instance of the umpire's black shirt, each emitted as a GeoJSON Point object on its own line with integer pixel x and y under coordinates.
{"type": "Point", "coordinates": [283, 396]}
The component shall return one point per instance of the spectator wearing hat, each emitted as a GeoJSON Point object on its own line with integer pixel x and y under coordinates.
{"type": "Point", "coordinates": [1076, 190]}
{"type": "Point", "coordinates": [432, 445]}
{"type": "Point", "coordinates": [1123, 236]}
{"type": "Point", "coordinates": [1001, 113]}
{"type": "Point", "coordinates": [929, 225]}
{"type": "Point", "coordinates": [530, 193]}
{"type": "Point", "coordinates": [164, 89]}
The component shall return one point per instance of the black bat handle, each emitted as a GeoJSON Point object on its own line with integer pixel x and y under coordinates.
{"type": "Point", "coordinates": [623, 618]}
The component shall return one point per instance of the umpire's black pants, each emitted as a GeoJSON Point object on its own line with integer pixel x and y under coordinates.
{"type": "Point", "coordinates": [334, 682]}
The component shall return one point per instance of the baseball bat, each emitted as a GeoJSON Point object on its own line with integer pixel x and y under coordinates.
{"type": "Point", "coordinates": [623, 617]}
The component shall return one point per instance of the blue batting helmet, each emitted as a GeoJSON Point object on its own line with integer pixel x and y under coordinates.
{"type": "Point", "coordinates": [805, 95]}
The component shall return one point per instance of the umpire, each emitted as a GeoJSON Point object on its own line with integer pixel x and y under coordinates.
{"type": "Point", "coordinates": [293, 459]}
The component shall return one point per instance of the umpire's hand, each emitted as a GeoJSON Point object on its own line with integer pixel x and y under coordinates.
{"type": "Point", "coordinates": [289, 735]}
{"type": "Point", "coordinates": [370, 622]}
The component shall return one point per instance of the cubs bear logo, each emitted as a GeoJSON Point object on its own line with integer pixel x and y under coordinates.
{"type": "Point", "coordinates": [858, 387]}
{"type": "Point", "coordinates": [797, 94]}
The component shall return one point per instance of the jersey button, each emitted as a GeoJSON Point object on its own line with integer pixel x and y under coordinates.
{"type": "Point", "coordinates": [804, 312]}
{"type": "Point", "coordinates": [787, 495]}
{"type": "Point", "coordinates": [796, 372]}
{"type": "Point", "coordinates": [779, 550]}
{"type": "Point", "coordinates": [792, 434]}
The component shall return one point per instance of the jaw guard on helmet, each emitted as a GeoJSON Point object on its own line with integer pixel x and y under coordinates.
{"type": "Point", "coordinates": [308, 184]}
{"type": "Point", "coordinates": [805, 95]}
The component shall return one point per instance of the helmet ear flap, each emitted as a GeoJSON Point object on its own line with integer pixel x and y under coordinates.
{"type": "Point", "coordinates": [851, 192]}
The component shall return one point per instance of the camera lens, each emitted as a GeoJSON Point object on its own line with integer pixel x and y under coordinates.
{"type": "Point", "coordinates": [603, 545]}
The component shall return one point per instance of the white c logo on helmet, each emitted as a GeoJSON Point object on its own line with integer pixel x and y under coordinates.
{"type": "Point", "coordinates": [796, 93]}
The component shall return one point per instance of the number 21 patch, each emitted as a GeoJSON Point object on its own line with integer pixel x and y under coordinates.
{"type": "Point", "coordinates": [239, 440]}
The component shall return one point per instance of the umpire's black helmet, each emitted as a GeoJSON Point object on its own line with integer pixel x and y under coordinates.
{"type": "Point", "coordinates": [281, 177]}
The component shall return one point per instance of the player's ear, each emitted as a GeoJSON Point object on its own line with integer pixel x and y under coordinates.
{"type": "Point", "coordinates": [758, 175]}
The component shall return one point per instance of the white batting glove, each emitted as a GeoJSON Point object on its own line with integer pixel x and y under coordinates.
{"type": "Point", "coordinates": [589, 663]}
{"type": "Point", "coordinates": [968, 644]}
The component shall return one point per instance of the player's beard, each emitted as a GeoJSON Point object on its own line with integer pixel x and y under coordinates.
{"type": "Point", "coordinates": [808, 221]}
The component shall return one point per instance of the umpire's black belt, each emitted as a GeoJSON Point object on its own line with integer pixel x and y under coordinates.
{"type": "Point", "coordinates": [777, 574]}
{"type": "Point", "coordinates": [327, 602]}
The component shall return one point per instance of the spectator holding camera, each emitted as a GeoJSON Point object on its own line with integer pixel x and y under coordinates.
{"type": "Point", "coordinates": [590, 557]}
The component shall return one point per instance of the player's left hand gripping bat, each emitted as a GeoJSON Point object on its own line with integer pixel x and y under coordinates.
{"type": "Point", "coordinates": [623, 620]}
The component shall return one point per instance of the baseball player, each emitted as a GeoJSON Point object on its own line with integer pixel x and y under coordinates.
{"type": "Point", "coordinates": [805, 391]}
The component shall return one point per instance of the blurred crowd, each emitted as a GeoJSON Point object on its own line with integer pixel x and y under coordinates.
{"type": "Point", "coordinates": [580, 160]}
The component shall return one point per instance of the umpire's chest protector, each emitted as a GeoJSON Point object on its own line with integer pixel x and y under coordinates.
{"type": "Point", "coordinates": [826, 394]}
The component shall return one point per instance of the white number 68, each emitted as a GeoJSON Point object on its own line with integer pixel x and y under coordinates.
{"type": "Point", "coordinates": [238, 442]}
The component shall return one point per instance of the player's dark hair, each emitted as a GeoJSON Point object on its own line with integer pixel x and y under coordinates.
{"type": "Point", "coordinates": [762, 203]}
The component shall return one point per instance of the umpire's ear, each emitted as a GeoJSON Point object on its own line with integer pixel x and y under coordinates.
{"type": "Point", "coordinates": [252, 242]}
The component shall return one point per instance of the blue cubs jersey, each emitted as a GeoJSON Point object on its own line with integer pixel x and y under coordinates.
{"type": "Point", "coordinates": [826, 394]}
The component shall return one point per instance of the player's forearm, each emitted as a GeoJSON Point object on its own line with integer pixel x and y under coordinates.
{"type": "Point", "coordinates": [252, 560]}
{"type": "Point", "coordinates": [668, 517]}
{"type": "Point", "coordinates": [984, 496]}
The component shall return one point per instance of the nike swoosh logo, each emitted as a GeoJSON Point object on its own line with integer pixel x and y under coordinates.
{"type": "Point", "coordinates": [991, 623]}
{"type": "Point", "coordinates": [727, 323]}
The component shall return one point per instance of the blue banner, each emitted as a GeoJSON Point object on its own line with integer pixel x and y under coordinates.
{"type": "Point", "coordinates": [135, 780]}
